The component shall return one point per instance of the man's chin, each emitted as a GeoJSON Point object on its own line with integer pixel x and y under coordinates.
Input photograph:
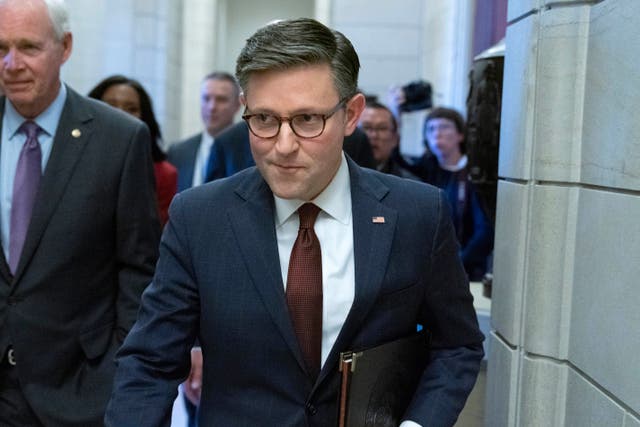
{"type": "Point", "coordinates": [21, 100]}
{"type": "Point", "coordinates": [287, 192]}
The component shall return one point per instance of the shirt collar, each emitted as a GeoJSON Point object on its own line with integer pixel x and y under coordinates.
{"type": "Point", "coordinates": [462, 163]}
{"type": "Point", "coordinates": [335, 199]}
{"type": "Point", "coordinates": [47, 120]}
{"type": "Point", "coordinates": [206, 140]}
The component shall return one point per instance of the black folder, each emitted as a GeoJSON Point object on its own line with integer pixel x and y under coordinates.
{"type": "Point", "coordinates": [378, 383]}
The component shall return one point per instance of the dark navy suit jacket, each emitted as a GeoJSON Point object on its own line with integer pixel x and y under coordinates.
{"type": "Point", "coordinates": [218, 278]}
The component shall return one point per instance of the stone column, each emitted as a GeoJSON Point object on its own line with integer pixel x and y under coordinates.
{"type": "Point", "coordinates": [566, 325]}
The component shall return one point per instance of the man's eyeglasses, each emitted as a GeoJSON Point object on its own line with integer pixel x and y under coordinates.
{"type": "Point", "coordinates": [432, 127]}
{"type": "Point", "coordinates": [373, 129]}
{"type": "Point", "coordinates": [305, 125]}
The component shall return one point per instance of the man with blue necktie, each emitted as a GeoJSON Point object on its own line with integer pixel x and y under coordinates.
{"type": "Point", "coordinates": [219, 102]}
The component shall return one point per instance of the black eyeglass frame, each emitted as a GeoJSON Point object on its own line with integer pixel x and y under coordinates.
{"type": "Point", "coordinates": [341, 104]}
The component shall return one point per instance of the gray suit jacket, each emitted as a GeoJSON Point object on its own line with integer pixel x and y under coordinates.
{"type": "Point", "coordinates": [90, 251]}
{"type": "Point", "coordinates": [219, 278]}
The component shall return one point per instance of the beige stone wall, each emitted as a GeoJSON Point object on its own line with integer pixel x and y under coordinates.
{"type": "Point", "coordinates": [565, 345]}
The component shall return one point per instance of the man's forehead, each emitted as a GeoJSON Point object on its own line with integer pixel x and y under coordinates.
{"type": "Point", "coordinates": [20, 16]}
{"type": "Point", "coordinates": [376, 114]}
{"type": "Point", "coordinates": [311, 84]}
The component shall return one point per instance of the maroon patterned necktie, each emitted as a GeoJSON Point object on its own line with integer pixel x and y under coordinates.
{"type": "Point", "coordinates": [25, 187]}
{"type": "Point", "coordinates": [304, 289]}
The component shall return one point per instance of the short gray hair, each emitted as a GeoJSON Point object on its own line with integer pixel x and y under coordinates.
{"type": "Point", "coordinates": [59, 15]}
{"type": "Point", "coordinates": [290, 43]}
{"type": "Point", "coordinates": [225, 77]}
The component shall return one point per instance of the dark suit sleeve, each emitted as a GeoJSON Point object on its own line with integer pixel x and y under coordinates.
{"type": "Point", "coordinates": [137, 229]}
{"type": "Point", "coordinates": [456, 340]}
{"type": "Point", "coordinates": [155, 357]}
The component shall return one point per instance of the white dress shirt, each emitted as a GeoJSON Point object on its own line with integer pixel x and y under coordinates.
{"type": "Point", "coordinates": [11, 146]}
{"type": "Point", "coordinates": [334, 228]}
{"type": "Point", "coordinates": [335, 233]}
{"type": "Point", "coordinates": [202, 158]}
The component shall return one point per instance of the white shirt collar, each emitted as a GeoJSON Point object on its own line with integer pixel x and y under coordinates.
{"type": "Point", "coordinates": [462, 163]}
{"type": "Point", "coordinates": [206, 141]}
{"type": "Point", "coordinates": [47, 120]}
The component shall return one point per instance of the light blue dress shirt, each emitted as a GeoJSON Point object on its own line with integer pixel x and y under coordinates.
{"type": "Point", "coordinates": [11, 143]}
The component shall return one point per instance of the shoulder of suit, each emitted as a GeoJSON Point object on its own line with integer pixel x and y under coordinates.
{"type": "Point", "coordinates": [95, 109]}
{"type": "Point", "coordinates": [402, 186]}
{"type": "Point", "coordinates": [243, 183]}
{"type": "Point", "coordinates": [187, 142]}
{"type": "Point", "coordinates": [196, 201]}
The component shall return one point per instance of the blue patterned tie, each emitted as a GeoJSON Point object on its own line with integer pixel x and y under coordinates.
{"type": "Point", "coordinates": [25, 187]}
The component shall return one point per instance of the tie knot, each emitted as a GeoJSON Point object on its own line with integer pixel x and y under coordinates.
{"type": "Point", "coordinates": [308, 214]}
{"type": "Point", "coordinates": [30, 128]}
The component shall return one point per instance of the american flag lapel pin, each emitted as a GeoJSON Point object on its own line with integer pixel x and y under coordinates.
{"type": "Point", "coordinates": [377, 220]}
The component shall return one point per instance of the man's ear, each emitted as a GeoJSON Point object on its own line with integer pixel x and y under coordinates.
{"type": "Point", "coordinates": [243, 100]}
{"type": "Point", "coordinates": [355, 107]}
{"type": "Point", "coordinates": [67, 46]}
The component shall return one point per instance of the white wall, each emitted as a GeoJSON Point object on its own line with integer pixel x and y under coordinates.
{"type": "Point", "coordinates": [137, 38]}
{"type": "Point", "coordinates": [403, 41]}
{"type": "Point", "coordinates": [244, 17]}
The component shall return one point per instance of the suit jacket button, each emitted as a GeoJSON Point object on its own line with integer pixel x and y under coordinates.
{"type": "Point", "coordinates": [13, 300]}
{"type": "Point", "coordinates": [311, 409]}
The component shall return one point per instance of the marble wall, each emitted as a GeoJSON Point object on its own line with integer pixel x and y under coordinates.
{"type": "Point", "coordinates": [565, 340]}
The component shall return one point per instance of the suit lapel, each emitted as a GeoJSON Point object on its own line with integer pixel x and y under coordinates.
{"type": "Point", "coordinates": [255, 219]}
{"type": "Point", "coordinates": [72, 135]}
{"type": "Point", "coordinates": [372, 243]}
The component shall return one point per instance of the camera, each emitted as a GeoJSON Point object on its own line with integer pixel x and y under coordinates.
{"type": "Point", "coordinates": [417, 96]}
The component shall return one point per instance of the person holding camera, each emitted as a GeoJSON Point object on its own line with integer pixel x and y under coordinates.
{"type": "Point", "coordinates": [444, 165]}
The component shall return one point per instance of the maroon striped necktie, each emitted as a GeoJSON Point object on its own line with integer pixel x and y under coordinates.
{"type": "Point", "coordinates": [304, 289]}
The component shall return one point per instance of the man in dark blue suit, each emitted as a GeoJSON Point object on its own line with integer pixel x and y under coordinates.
{"type": "Point", "coordinates": [195, 157]}
{"type": "Point", "coordinates": [229, 262]}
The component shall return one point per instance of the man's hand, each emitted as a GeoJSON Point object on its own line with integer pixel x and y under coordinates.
{"type": "Point", "coordinates": [192, 387]}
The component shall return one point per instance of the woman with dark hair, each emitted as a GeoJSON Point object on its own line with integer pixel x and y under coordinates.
{"type": "Point", "coordinates": [129, 96]}
{"type": "Point", "coordinates": [445, 166]}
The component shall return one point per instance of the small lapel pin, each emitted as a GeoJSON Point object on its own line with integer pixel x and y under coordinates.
{"type": "Point", "coordinates": [76, 133]}
{"type": "Point", "coordinates": [377, 220]}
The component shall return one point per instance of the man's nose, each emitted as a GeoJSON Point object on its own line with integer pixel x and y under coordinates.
{"type": "Point", "coordinates": [286, 140]}
{"type": "Point", "coordinates": [11, 60]}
